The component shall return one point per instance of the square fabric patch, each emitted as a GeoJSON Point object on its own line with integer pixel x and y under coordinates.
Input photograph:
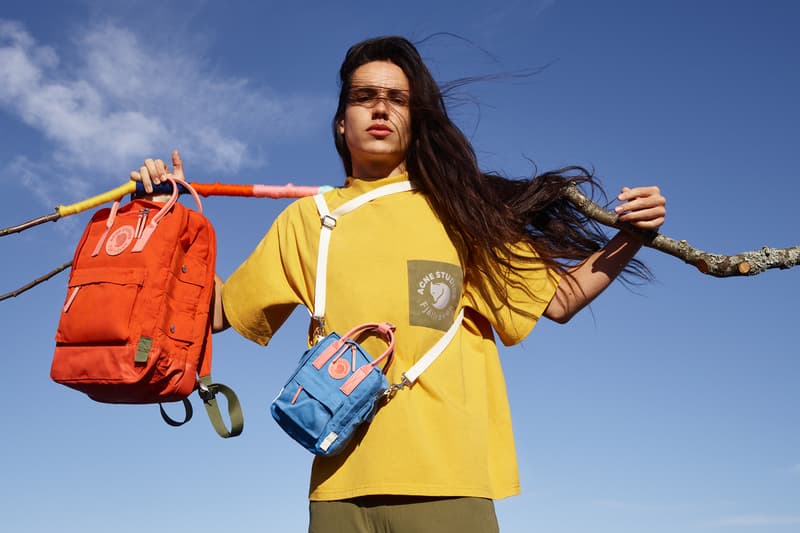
{"type": "Point", "coordinates": [434, 292]}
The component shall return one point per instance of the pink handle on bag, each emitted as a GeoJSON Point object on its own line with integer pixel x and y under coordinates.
{"type": "Point", "coordinates": [151, 227]}
{"type": "Point", "coordinates": [385, 329]}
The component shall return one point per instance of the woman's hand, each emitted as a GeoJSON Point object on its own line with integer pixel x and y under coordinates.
{"type": "Point", "coordinates": [644, 207]}
{"type": "Point", "coordinates": [155, 171]}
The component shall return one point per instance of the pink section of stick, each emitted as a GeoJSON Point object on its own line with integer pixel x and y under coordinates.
{"type": "Point", "coordinates": [283, 191]}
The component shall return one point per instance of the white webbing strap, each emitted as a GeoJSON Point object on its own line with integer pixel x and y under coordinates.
{"type": "Point", "coordinates": [435, 351]}
{"type": "Point", "coordinates": [328, 220]}
{"type": "Point", "coordinates": [358, 201]}
{"type": "Point", "coordinates": [328, 223]}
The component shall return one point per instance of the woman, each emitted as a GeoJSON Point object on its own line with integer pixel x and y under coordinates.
{"type": "Point", "coordinates": [506, 251]}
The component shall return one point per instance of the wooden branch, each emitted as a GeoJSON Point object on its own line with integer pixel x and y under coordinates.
{"type": "Point", "coordinates": [721, 266]}
{"type": "Point", "coordinates": [35, 282]}
{"type": "Point", "coordinates": [29, 224]}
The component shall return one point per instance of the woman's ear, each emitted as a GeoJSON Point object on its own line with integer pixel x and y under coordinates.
{"type": "Point", "coordinates": [341, 126]}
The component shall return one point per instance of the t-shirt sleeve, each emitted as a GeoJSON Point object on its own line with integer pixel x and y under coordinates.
{"type": "Point", "coordinates": [528, 286]}
{"type": "Point", "coordinates": [261, 294]}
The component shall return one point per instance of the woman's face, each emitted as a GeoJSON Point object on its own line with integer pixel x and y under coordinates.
{"type": "Point", "coordinates": [376, 122]}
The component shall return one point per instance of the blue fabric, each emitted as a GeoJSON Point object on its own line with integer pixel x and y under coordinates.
{"type": "Point", "coordinates": [313, 410]}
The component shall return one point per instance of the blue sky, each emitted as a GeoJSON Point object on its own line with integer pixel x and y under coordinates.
{"type": "Point", "coordinates": [669, 407]}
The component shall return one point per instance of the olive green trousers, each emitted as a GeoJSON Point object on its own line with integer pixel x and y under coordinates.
{"type": "Point", "coordinates": [403, 514]}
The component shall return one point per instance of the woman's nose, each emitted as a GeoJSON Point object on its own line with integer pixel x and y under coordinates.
{"type": "Point", "coordinates": [380, 109]}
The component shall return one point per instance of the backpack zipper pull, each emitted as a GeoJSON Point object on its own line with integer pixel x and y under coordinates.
{"type": "Point", "coordinates": [142, 222]}
{"type": "Point", "coordinates": [138, 224]}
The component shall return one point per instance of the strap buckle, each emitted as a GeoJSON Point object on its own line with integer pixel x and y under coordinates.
{"type": "Point", "coordinates": [205, 392]}
{"type": "Point", "coordinates": [329, 221]}
{"type": "Point", "coordinates": [319, 330]}
{"type": "Point", "coordinates": [389, 393]}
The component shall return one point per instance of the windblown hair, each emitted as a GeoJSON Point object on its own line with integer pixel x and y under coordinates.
{"type": "Point", "coordinates": [485, 214]}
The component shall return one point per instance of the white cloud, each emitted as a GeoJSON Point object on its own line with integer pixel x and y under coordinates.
{"type": "Point", "coordinates": [83, 122]}
{"type": "Point", "coordinates": [29, 174]}
{"type": "Point", "coordinates": [125, 99]}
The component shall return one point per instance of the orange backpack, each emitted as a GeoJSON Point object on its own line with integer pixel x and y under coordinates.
{"type": "Point", "coordinates": [136, 324]}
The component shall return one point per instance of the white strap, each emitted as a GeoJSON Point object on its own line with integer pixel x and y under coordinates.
{"type": "Point", "coordinates": [328, 220]}
{"type": "Point", "coordinates": [328, 223]}
{"type": "Point", "coordinates": [435, 351]}
{"type": "Point", "coordinates": [358, 201]}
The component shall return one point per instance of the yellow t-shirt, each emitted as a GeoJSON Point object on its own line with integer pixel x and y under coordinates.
{"type": "Point", "coordinates": [391, 260]}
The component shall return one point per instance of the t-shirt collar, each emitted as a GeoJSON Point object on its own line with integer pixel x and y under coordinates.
{"type": "Point", "coordinates": [360, 185]}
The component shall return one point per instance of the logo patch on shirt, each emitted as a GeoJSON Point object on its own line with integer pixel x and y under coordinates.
{"type": "Point", "coordinates": [434, 292]}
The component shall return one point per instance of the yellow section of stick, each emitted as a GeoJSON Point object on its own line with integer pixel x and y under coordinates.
{"type": "Point", "coordinates": [94, 201]}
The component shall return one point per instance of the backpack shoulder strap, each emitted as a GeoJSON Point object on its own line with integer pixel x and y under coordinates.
{"type": "Point", "coordinates": [411, 375]}
{"type": "Point", "coordinates": [328, 220]}
{"type": "Point", "coordinates": [206, 388]}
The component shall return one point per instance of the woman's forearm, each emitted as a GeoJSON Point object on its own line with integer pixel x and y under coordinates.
{"type": "Point", "coordinates": [587, 280]}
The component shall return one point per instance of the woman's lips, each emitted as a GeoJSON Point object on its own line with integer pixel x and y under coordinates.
{"type": "Point", "coordinates": [379, 130]}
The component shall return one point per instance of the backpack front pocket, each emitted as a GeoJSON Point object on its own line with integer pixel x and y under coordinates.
{"type": "Point", "coordinates": [99, 305]}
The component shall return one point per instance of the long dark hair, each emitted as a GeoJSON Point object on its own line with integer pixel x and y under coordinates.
{"type": "Point", "coordinates": [485, 214]}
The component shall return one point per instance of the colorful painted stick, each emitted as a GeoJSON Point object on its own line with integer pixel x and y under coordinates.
{"type": "Point", "coordinates": [204, 189]}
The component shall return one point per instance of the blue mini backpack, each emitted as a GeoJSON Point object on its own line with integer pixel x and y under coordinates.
{"type": "Point", "coordinates": [336, 387]}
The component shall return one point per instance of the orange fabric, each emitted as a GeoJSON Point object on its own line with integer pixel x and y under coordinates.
{"type": "Point", "coordinates": [135, 327]}
{"type": "Point", "coordinates": [222, 189]}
